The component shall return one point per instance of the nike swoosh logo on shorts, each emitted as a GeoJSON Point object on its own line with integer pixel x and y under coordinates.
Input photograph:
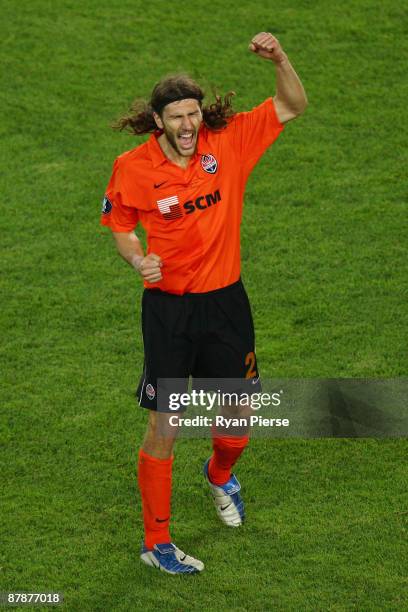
{"type": "Point", "coordinates": [157, 185]}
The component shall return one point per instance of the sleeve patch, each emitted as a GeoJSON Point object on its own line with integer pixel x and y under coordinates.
{"type": "Point", "coordinates": [106, 206]}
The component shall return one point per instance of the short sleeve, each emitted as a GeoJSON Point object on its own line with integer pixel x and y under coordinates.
{"type": "Point", "coordinates": [254, 131]}
{"type": "Point", "coordinates": [115, 214]}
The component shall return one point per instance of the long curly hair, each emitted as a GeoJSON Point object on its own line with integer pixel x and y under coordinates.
{"type": "Point", "coordinates": [139, 118]}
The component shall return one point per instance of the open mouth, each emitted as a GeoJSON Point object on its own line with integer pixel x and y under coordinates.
{"type": "Point", "coordinates": [186, 140]}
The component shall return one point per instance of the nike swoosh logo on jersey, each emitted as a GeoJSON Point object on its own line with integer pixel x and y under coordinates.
{"type": "Point", "coordinates": [157, 185]}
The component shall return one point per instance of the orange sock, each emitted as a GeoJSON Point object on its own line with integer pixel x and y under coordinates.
{"type": "Point", "coordinates": [226, 452]}
{"type": "Point", "coordinates": [154, 478]}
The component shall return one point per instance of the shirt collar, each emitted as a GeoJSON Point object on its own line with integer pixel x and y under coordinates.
{"type": "Point", "coordinates": [158, 157]}
{"type": "Point", "coordinates": [156, 154]}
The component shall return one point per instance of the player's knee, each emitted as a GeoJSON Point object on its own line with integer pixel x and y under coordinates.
{"type": "Point", "coordinates": [160, 430]}
{"type": "Point", "coordinates": [236, 411]}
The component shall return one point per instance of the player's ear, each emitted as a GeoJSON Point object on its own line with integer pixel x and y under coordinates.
{"type": "Point", "coordinates": [158, 120]}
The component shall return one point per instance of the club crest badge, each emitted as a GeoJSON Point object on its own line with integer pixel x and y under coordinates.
{"type": "Point", "coordinates": [150, 392]}
{"type": "Point", "coordinates": [209, 163]}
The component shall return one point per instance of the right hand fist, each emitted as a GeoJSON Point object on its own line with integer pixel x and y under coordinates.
{"type": "Point", "coordinates": [267, 46]}
{"type": "Point", "coordinates": [150, 268]}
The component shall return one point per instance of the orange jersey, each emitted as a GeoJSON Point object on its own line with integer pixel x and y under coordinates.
{"type": "Point", "coordinates": [192, 216]}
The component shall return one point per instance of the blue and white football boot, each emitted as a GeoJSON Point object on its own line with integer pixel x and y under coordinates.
{"type": "Point", "coordinates": [170, 559]}
{"type": "Point", "coordinates": [227, 500]}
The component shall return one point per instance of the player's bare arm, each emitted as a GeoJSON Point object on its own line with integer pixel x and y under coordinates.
{"type": "Point", "coordinates": [290, 98]}
{"type": "Point", "coordinates": [129, 247]}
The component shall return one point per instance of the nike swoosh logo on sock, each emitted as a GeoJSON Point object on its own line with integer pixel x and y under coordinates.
{"type": "Point", "coordinates": [162, 520]}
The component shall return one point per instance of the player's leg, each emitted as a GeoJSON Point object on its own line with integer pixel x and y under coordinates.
{"type": "Point", "coordinates": [155, 479]}
{"type": "Point", "coordinates": [165, 357]}
{"type": "Point", "coordinates": [229, 353]}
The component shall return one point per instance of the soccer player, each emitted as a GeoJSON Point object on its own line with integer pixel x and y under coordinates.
{"type": "Point", "coordinates": [185, 185]}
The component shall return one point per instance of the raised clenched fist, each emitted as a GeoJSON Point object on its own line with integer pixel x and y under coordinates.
{"type": "Point", "coordinates": [267, 46]}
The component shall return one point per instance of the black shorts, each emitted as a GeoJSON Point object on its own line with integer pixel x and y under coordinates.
{"type": "Point", "coordinates": [203, 335]}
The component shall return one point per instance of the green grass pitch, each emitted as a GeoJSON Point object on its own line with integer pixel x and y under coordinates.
{"type": "Point", "coordinates": [325, 265]}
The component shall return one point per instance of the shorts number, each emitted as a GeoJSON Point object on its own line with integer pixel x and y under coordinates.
{"type": "Point", "coordinates": [250, 361]}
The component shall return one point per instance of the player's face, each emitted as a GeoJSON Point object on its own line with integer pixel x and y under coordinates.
{"type": "Point", "coordinates": [180, 122]}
